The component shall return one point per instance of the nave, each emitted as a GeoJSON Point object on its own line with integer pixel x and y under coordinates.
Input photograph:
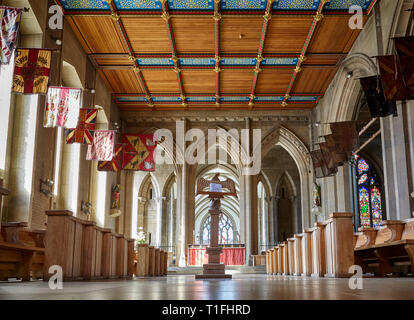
{"type": "Point", "coordinates": [241, 287]}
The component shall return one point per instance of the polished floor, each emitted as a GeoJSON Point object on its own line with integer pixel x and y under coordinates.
{"type": "Point", "coordinates": [241, 287]}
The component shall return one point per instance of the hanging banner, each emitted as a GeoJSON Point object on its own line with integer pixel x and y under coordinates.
{"type": "Point", "coordinates": [374, 94]}
{"type": "Point", "coordinates": [139, 152]}
{"type": "Point", "coordinates": [346, 135]}
{"type": "Point", "coordinates": [31, 71]}
{"type": "Point", "coordinates": [405, 50]}
{"type": "Point", "coordinates": [62, 107]}
{"type": "Point", "coordinates": [337, 151]}
{"type": "Point", "coordinates": [319, 167]}
{"type": "Point", "coordinates": [102, 147]}
{"type": "Point", "coordinates": [85, 128]}
{"type": "Point", "coordinates": [116, 164]}
{"type": "Point", "coordinates": [10, 23]}
{"type": "Point", "coordinates": [404, 46]}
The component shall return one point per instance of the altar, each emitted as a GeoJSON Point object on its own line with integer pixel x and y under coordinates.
{"type": "Point", "coordinates": [230, 256]}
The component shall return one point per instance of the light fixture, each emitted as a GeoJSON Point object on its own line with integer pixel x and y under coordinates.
{"type": "Point", "coordinates": [349, 75]}
{"type": "Point", "coordinates": [317, 123]}
{"type": "Point", "coordinates": [45, 186]}
{"type": "Point", "coordinates": [86, 207]}
{"type": "Point", "coordinates": [58, 42]}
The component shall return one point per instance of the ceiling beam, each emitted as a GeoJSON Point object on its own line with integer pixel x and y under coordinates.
{"type": "Point", "coordinates": [267, 16]}
{"type": "Point", "coordinates": [117, 20]}
{"type": "Point", "coordinates": [217, 18]}
{"type": "Point", "coordinates": [318, 17]}
{"type": "Point", "coordinates": [166, 17]}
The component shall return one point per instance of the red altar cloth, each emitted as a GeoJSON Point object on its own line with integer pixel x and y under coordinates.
{"type": "Point", "coordinates": [230, 256]}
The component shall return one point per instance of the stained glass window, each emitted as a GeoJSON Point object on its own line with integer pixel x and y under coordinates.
{"type": "Point", "coordinates": [369, 194]}
{"type": "Point", "coordinates": [226, 230]}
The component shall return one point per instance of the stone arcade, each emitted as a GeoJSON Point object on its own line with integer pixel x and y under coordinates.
{"type": "Point", "coordinates": [272, 76]}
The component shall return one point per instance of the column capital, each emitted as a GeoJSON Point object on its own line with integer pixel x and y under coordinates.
{"type": "Point", "coordinates": [142, 199]}
{"type": "Point", "coordinates": [160, 199]}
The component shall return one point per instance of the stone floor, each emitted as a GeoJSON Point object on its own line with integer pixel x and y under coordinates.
{"type": "Point", "coordinates": [242, 287]}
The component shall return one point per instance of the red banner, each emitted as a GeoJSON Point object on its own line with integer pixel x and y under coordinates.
{"type": "Point", "coordinates": [230, 256]}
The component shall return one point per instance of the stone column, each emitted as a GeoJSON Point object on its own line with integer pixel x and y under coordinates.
{"type": "Point", "coordinates": [410, 143]}
{"type": "Point", "coordinates": [248, 212]}
{"type": "Point", "coordinates": [269, 221]}
{"type": "Point", "coordinates": [158, 238]}
{"type": "Point", "coordinates": [296, 213]}
{"type": "Point", "coordinates": [275, 219]}
{"type": "Point", "coordinates": [343, 185]}
{"type": "Point", "coordinates": [141, 208]}
{"type": "Point", "coordinates": [181, 232]}
{"type": "Point", "coordinates": [21, 165]}
{"type": "Point", "coordinates": [395, 166]}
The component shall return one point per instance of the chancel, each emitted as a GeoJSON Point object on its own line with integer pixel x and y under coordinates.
{"type": "Point", "coordinates": [128, 130]}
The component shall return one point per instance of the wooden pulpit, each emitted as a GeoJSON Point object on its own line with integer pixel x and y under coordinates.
{"type": "Point", "coordinates": [217, 189]}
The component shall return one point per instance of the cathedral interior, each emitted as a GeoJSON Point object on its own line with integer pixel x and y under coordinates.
{"type": "Point", "coordinates": [271, 96]}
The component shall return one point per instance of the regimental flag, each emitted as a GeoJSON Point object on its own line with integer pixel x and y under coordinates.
{"type": "Point", "coordinates": [374, 94]}
{"type": "Point", "coordinates": [117, 162]}
{"type": "Point", "coordinates": [392, 78]}
{"type": "Point", "coordinates": [346, 135]}
{"type": "Point", "coordinates": [337, 151]}
{"type": "Point", "coordinates": [319, 166]}
{"type": "Point", "coordinates": [62, 107]}
{"type": "Point", "coordinates": [85, 128]}
{"type": "Point", "coordinates": [102, 147]}
{"type": "Point", "coordinates": [405, 46]}
{"type": "Point", "coordinates": [328, 159]}
{"type": "Point", "coordinates": [139, 152]}
{"type": "Point", "coordinates": [31, 71]}
{"type": "Point", "coordinates": [10, 22]}
{"type": "Point", "coordinates": [405, 50]}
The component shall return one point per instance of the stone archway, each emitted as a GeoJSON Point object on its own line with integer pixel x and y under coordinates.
{"type": "Point", "coordinates": [300, 154]}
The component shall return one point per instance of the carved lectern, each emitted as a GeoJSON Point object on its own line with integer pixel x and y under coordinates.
{"type": "Point", "coordinates": [214, 269]}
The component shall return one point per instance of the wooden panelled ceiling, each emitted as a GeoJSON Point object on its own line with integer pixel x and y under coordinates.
{"type": "Point", "coordinates": [212, 54]}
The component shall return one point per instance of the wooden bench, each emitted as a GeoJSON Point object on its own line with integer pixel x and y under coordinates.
{"type": "Point", "coordinates": [392, 249]}
{"type": "Point", "coordinates": [84, 250]}
{"type": "Point", "coordinates": [3, 192]}
{"type": "Point", "coordinates": [21, 252]}
{"type": "Point", "coordinates": [259, 260]}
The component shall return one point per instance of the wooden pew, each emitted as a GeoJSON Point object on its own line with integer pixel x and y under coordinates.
{"type": "Point", "coordinates": [21, 252]}
{"type": "Point", "coordinates": [157, 262]}
{"type": "Point", "coordinates": [143, 260]}
{"type": "Point", "coordinates": [259, 260]}
{"type": "Point", "coordinates": [274, 261]}
{"type": "Point", "coordinates": [318, 249]}
{"type": "Point", "coordinates": [167, 262]}
{"type": "Point", "coordinates": [285, 258]}
{"type": "Point", "coordinates": [16, 260]}
{"type": "Point", "coordinates": [85, 251]}
{"type": "Point", "coordinates": [338, 244]}
{"type": "Point", "coordinates": [270, 260]}
{"type": "Point", "coordinates": [131, 258]}
{"type": "Point", "coordinates": [267, 262]}
{"type": "Point", "coordinates": [291, 256]}
{"type": "Point", "coordinates": [306, 242]}
{"type": "Point", "coordinates": [3, 193]}
{"type": "Point", "coordinates": [279, 260]}
{"type": "Point", "coordinates": [393, 247]}
{"type": "Point", "coordinates": [298, 255]}
{"type": "Point", "coordinates": [151, 261]}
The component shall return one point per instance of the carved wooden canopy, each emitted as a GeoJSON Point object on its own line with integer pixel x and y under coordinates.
{"type": "Point", "coordinates": [216, 187]}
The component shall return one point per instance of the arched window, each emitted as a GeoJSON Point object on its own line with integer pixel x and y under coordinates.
{"type": "Point", "coordinates": [369, 194]}
{"type": "Point", "coordinates": [226, 230]}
